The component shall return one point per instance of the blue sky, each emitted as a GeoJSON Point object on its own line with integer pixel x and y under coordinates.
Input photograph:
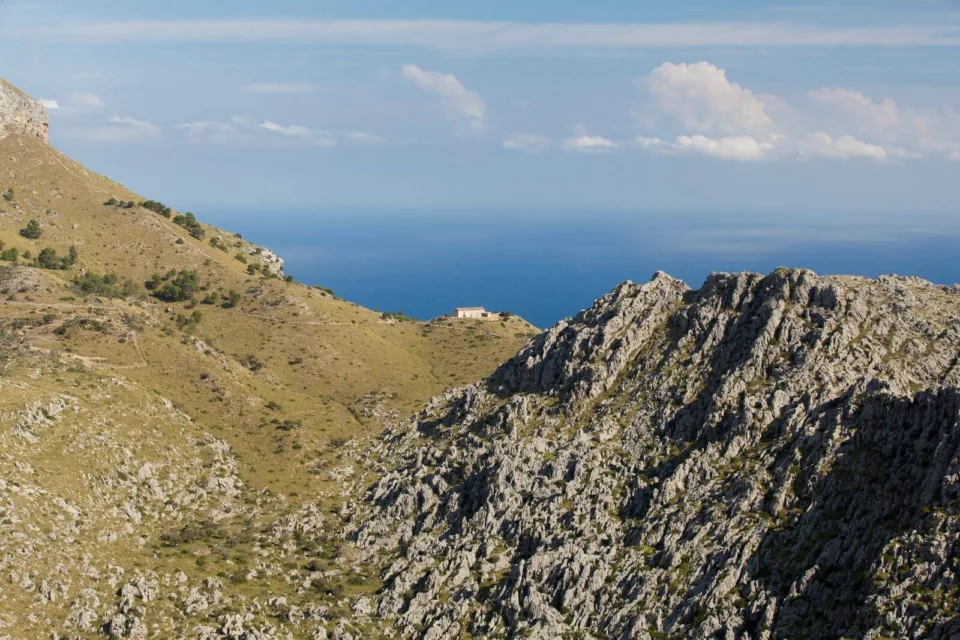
{"type": "Point", "coordinates": [697, 106]}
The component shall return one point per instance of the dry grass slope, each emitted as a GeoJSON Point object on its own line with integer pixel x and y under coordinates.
{"type": "Point", "coordinates": [227, 422]}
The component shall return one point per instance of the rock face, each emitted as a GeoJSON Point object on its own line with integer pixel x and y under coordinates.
{"type": "Point", "coordinates": [21, 114]}
{"type": "Point", "coordinates": [767, 457]}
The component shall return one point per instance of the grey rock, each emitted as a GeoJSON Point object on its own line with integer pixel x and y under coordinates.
{"type": "Point", "coordinates": [767, 456]}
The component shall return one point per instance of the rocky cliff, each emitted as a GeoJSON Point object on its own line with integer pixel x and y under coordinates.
{"type": "Point", "coordinates": [21, 114]}
{"type": "Point", "coordinates": [767, 456]}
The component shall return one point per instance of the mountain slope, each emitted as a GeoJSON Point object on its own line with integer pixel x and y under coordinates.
{"type": "Point", "coordinates": [171, 465]}
{"type": "Point", "coordinates": [767, 456]}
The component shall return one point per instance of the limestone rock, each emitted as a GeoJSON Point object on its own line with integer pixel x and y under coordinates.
{"type": "Point", "coordinates": [767, 456]}
{"type": "Point", "coordinates": [21, 114]}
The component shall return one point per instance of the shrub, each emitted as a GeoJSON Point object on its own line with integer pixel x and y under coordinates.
{"type": "Point", "coordinates": [193, 531]}
{"type": "Point", "coordinates": [107, 285]}
{"type": "Point", "coordinates": [233, 299]}
{"type": "Point", "coordinates": [187, 321]}
{"type": "Point", "coordinates": [111, 201]}
{"type": "Point", "coordinates": [48, 259]}
{"type": "Point", "coordinates": [189, 222]}
{"type": "Point", "coordinates": [83, 323]}
{"type": "Point", "coordinates": [174, 286]}
{"type": "Point", "coordinates": [157, 207]}
{"type": "Point", "coordinates": [252, 362]}
{"type": "Point", "coordinates": [32, 230]}
{"type": "Point", "coordinates": [286, 425]}
{"type": "Point", "coordinates": [10, 254]}
{"type": "Point", "coordinates": [211, 298]}
{"type": "Point", "coordinates": [8, 194]}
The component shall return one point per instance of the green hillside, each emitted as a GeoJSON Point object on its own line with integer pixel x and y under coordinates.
{"type": "Point", "coordinates": [175, 412]}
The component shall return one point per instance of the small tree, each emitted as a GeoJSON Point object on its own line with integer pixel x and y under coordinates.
{"type": "Point", "coordinates": [48, 259]}
{"type": "Point", "coordinates": [233, 299]}
{"type": "Point", "coordinates": [33, 230]}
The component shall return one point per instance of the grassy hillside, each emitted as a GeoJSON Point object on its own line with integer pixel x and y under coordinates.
{"type": "Point", "coordinates": [142, 436]}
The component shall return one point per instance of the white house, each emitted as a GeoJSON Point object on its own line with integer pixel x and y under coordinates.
{"type": "Point", "coordinates": [472, 312]}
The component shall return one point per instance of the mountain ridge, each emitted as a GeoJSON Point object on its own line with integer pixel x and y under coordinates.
{"type": "Point", "coordinates": [767, 456]}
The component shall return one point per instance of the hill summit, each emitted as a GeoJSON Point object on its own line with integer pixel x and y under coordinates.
{"type": "Point", "coordinates": [21, 114]}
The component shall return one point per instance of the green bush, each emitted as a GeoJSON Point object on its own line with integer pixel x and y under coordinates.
{"type": "Point", "coordinates": [32, 230]}
{"type": "Point", "coordinates": [10, 254]}
{"type": "Point", "coordinates": [174, 286]}
{"type": "Point", "coordinates": [83, 323]}
{"type": "Point", "coordinates": [48, 259]}
{"type": "Point", "coordinates": [107, 285]}
{"type": "Point", "coordinates": [8, 194]}
{"type": "Point", "coordinates": [157, 207]}
{"type": "Point", "coordinates": [233, 299]}
{"type": "Point", "coordinates": [188, 321]}
{"type": "Point", "coordinates": [211, 298]}
{"type": "Point", "coordinates": [189, 222]}
{"type": "Point", "coordinates": [111, 201]}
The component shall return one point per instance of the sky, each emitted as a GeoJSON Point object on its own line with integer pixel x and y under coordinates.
{"type": "Point", "coordinates": [693, 105]}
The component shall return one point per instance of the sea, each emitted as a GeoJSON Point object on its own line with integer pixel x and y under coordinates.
{"type": "Point", "coordinates": [548, 265]}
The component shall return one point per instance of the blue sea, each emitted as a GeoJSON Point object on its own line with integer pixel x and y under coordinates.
{"type": "Point", "coordinates": [545, 266]}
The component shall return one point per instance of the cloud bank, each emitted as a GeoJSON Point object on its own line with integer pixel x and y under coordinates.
{"type": "Point", "coordinates": [707, 114]}
{"type": "Point", "coordinates": [489, 36]}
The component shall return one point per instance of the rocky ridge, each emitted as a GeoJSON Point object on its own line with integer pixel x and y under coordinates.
{"type": "Point", "coordinates": [767, 456]}
{"type": "Point", "coordinates": [21, 114]}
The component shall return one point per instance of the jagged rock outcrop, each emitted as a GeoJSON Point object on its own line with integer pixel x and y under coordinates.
{"type": "Point", "coordinates": [21, 114]}
{"type": "Point", "coordinates": [767, 457]}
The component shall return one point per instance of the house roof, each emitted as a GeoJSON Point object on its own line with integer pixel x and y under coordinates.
{"type": "Point", "coordinates": [469, 309]}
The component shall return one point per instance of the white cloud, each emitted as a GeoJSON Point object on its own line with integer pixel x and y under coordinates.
{"type": "Point", "coordinates": [726, 148]}
{"type": "Point", "coordinates": [954, 156]}
{"type": "Point", "coordinates": [648, 142]}
{"type": "Point", "coordinates": [52, 105]}
{"type": "Point", "coordinates": [240, 130]}
{"type": "Point", "coordinates": [85, 100]}
{"type": "Point", "coordinates": [723, 148]}
{"type": "Point", "coordinates": [881, 114]}
{"type": "Point", "coordinates": [279, 88]}
{"type": "Point", "coordinates": [526, 142]}
{"type": "Point", "coordinates": [117, 129]}
{"type": "Point", "coordinates": [364, 137]}
{"type": "Point", "coordinates": [701, 98]}
{"type": "Point", "coordinates": [214, 131]}
{"type": "Point", "coordinates": [844, 147]}
{"type": "Point", "coordinates": [480, 36]}
{"type": "Point", "coordinates": [589, 144]}
{"type": "Point", "coordinates": [312, 137]}
{"type": "Point", "coordinates": [292, 130]}
{"type": "Point", "coordinates": [461, 104]}
{"type": "Point", "coordinates": [689, 102]}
